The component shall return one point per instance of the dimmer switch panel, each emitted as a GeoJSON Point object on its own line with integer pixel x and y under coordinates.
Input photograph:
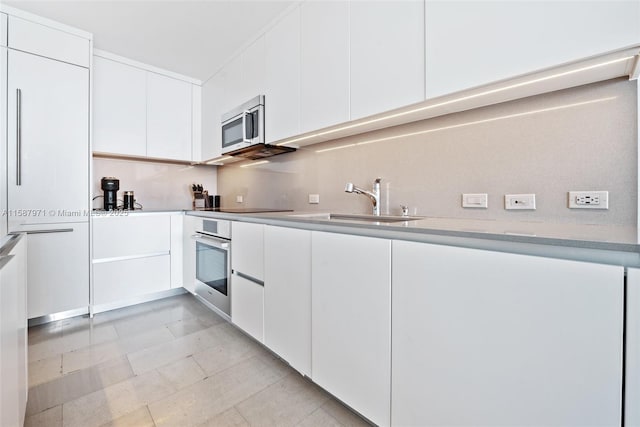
{"type": "Point", "coordinates": [477, 200]}
{"type": "Point", "coordinates": [588, 199]}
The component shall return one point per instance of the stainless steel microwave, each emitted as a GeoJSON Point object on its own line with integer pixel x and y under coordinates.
{"type": "Point", "coordinates": [243, 126]}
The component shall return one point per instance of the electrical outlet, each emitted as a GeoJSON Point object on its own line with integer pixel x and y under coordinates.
{"type": "Point", "coordinates": [588, 200]}
{"type": "Point", "coordinates": [314, 199]}
{"type": "Point", "coordinates": [239, 199]}
{"type": "Point", "coordinates": [479, 200]}
{"type": "Point", "coordinates": [520, 201]}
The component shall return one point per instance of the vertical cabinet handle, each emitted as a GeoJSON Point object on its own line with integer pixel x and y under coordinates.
{"type": "Point", "coordinates": [18, 137]}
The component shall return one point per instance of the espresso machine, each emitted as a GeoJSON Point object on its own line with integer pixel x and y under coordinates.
{"type": "Point", "coordinates": [110, 187]}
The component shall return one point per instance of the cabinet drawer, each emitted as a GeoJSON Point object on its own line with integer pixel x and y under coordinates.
{"type": "Point", "coordinates": [121, 280]}
{"type": "Point", "coordinates": [247, 306]}
{"type": "Point", "coordinates": [115, 237]}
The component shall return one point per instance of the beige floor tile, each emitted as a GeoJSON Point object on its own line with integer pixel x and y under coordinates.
{"type": "Point", "coordinates": [182, 373]}
{"type": "Point", "coordinates": [284, 403]}
{"type": "Point", "coordinates": [138, 418]}
{"type": "Point", "coordinates": [344, 415]}
{"type": "Point", "coordinates": [46, 332]}
{"type": "Point", "coordinates": [229, 418]}
{"type": "Point", "coordinates": [223, 356]}
{"type": "Point", "coordinates": [93, 355]}
{"type": "Point", "coordinates": [162, 354]}
{"type": "Point", "coordinates": [162, 315]}
{"type": "Point", "coordinates": [77, 384]}
{"type": "Point", "coordinates": [319, 418]}
{"type": "Point", "coordinates": [202, 401]}
{"type": "Point", "coordinates": [115, 401]}
{"type": "Point", "coordinates": [50, 418]}
{"type": "Point", "coordinates": [74, 340]}
{"type": "Point", "coordinates": [45, 370]}
{"type": "Point", "coordinates": [184, 327]}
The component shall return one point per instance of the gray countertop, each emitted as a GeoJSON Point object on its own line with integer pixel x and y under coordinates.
{"type": "Point", "coordinates": [584, 242]}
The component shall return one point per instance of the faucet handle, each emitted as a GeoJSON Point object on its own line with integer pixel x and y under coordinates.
{"type": "Point", "coordinates": [405, 210]}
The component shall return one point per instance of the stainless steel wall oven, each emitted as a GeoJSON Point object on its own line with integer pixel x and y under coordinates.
{"type": "Point", "coordinates": [213, 264]}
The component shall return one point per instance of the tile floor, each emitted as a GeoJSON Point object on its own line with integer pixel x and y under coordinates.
{"type": "Point", "coordinates": [171, 362]}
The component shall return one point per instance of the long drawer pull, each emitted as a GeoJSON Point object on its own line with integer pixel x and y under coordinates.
{"type": "Point", "coordinates": [53, 230]}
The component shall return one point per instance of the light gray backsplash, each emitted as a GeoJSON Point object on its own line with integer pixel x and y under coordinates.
{"type": "Point", "coordinates": [576, 139]}
{"type": "Point", "coordinates": [155, 185]}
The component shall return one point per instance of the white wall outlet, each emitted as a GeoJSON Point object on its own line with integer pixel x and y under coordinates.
{"type": "Point", "coordinates": [314, 199]}
{"type": "Point", "coordinates": [476, 200]}
{"type": "Point", "coordinates": [588, 200]}
{"type": "Point", "coordinates": [520, 201]}
{"type": "Point", "coordinates": [239, 199]}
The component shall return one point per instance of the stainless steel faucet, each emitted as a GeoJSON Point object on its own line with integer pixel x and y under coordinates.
{"type": "Point", "coordinates": [374, 194]}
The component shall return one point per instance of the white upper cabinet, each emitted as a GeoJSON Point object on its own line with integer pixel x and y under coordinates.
{"type": "Point", "coordinates": [470, 43]}
{"type": "Point", "coordinates": [324, 62]}
{"type": "Point", "coordinates": [282, 72]}
{"type": "Point", "coordinates": [119, 108]}
{"type": "Point", "coordinates": [169, 125]}
{"type": "Point", "coordinates": [387, 55]}
{"type": "Point", "coordinates": [49, 42]}
{"type": "Point", "coordinates": [3, 29]}
{"type": "Point", "coordinates": [232, 75]}
{"type": "Point", "coordinates": [253, 76]}
{"type": "Point", "coordinates": [212, 94]}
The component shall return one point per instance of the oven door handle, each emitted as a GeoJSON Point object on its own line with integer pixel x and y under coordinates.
{"type": "Point", "coordinates": [212, 241]}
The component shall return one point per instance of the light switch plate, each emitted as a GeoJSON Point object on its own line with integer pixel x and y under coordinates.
{"type": "Point", "coordinates": [239, 199]}
{"type": "Point", "coordinates": [314, 199]}
{"type": "Point", "coordinates": [475, 200]}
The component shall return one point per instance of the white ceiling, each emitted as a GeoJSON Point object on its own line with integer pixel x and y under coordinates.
{"type": "Point", "coordinates": [193, 38]}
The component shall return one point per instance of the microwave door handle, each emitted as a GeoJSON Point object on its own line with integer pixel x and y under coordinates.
{"type": "Point", "coordinates": [245, 113]}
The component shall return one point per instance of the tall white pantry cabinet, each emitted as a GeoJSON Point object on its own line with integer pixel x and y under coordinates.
{"type": "Point", "coordinates": [48, 160]}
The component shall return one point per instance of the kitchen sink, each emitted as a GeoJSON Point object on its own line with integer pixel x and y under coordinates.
{"type": "Point", "coordinates": [359, 217]}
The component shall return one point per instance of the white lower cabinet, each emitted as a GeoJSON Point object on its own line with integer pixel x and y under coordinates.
{"type": "Point", "coordinates": [287, 295]}
{"type": "Point", "coordinates": [247, 280]}
{"type": "Point", "coordinates": [13, 336]}
{"type": "Point", "coordinates": [133, 256]}
{"type": "Point", "coordinates": [176, 248]}
{"type": "Point", "coordinates": [190, 225]}
{"type": "Point", "coordinates": [247, 306]}
{"type": "Point", "coordinates": [487, 338]}
{"type": "Point", "coordinates": [632, 368]}
{"type": "Point", "coordinates": [121, 280]}
{"type": "Point", "coordinates": [58, 265]}
{"type": "Point", "coordinates": [351, 321]}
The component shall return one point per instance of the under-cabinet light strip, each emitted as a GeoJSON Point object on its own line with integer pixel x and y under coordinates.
{"type": "Point", "coordinates": [509, 116]}
{"type": "Point", "coordinates": [452, 101]}
{"type": "Point", "coordinates": [262, 162]}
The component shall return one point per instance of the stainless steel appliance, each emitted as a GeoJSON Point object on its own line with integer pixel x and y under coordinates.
{"type": "Point", "coordinates": [243, 132]}
{"type": "Point", "coordinates": [213, 264]}
{"type": "Point", "coordinates": [110, 187]}
{"type": "Point", "coordinates": [129, 201]}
